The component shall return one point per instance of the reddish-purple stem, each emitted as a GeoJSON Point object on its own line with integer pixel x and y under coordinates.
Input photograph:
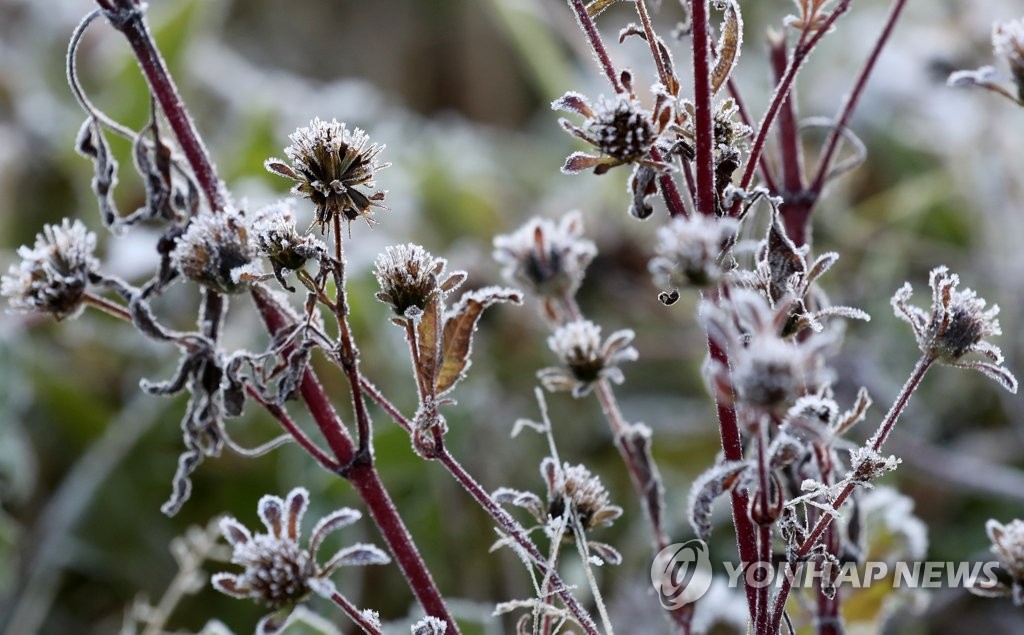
{"type": "Point", "coordinates": [741, 109]}
{"type": "Point", "coordinates": [843, 118]}
{"type": "Point", "coordinates": [800, 53]}
{"type": "Point", "coordinates": [594, 38]}
{"type": "Point", "coordinates": [294, 430]}
{"type": "Point", "coordinates": [362, 475]}
{"type": "Point", "coordinates": [673, 200]}
{"type": "Point", "coordinates": [884, 428]}
{"type": "Point", "coordinates": [126, 16]}
{"type": "Point", "coordinates": [703, 130]}
{"type": "Point", "coordinates": [354, 613]}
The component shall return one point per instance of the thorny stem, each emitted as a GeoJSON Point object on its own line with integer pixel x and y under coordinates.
{"type": "Point", "coordinates": [354, 613]}
{"type": "Point", "coordinates": [843, 118]}
{"type": "Point", "coordinates": [294, 430]}
{"type": "Point", "coordinates": [703, 131]}
{"type": "Point", "coordinates": [127, 17]}
{"type": "Point", "coordinates": [800, 53]}
{"type": "Point", "coordinates": [594, 38]}
{"type": "Point", "coordinates": [876, 442]}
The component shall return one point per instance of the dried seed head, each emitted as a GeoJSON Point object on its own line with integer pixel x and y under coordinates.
{"type": "Point", "coordinates": [409, 276]}
{"type": "Point", "coordinates": [692, 251]}
{"type": "Point", "coordinates": [329, 163]}
{"type": "Point", "coordinates": [548, 259]}
{"type": "Point", "coordinates": [587, 499]}
{"type": "Point", "coordinates": [273, 229]}
{"type": "Point", "coordinates": [52, 276]}
{"type": "Point", "coordinates": [1008, 545]}
{"type": "Point", "coordinates": [584, 358]}
{"type": "Point", "coordinates": [1008, 43]}
{"type": "Point", "coordinates": [217, 251]}
{"type": "Point", "coordinates": [769, 371]}
{"type": "Point", "coordinates": [956, 327]}
{"type": "Point", "coordinates": [278, 572]}
{"type": "Point", "coordinates": [621, 129]}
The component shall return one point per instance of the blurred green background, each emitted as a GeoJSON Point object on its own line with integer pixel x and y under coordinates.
{"type": "Point", "coordinates": [459, 92]}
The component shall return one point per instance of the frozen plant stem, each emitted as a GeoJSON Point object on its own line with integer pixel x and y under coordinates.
{"type": "Point", "coordinates": [354, 613]}
{"type": "Point", "coordinates": [594, 38]}
{"type": "Point", "coordinates": [126, 16]}
{"type": "Point", "coordinates": [876, 442]}
{"type": "Point", "coordinates": [802, 49]}
{"type": "Point", "coordinates": [363, 476]}
{"type": "Point", "coordinates": [705, 161]}
{"type": "Point", "coordinates": [843, 118]}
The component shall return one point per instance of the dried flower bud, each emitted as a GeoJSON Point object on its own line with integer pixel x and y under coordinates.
{"type": "Point", "coordinates": [693, 251]}
{"type": "Point", "coordinates": [279, 573]}
{"type": "Point", "coordinates": [1008, 545]}
{"type": "Point", "coordinates": [549, 260]}
{"type": "Point", "coordinates": [587, 499]}
{"type": "Point", "coordinates": [867, 464]}
{"type": "Point", "coordinates": [52, 276]}
{"type": "Point", "coordinates": [619, 129]}
{"type": "Point", "coordinates": [1008, 43]}
{"type": "Point", "coordinates": [409, 276]}
{"type": "Point", "coordinates": [329, 163]}
{"type": "Point", "coordinates": [585, 358]}
{"type": "Point", "coordinates": [275, 235]}
{"type": "Point", "coordinates": [768, 372]}
{"type": "Point", "coordinates": [956, 327]}
{"type": "Point", "coordinates": [217, 251]}
{"type": "Point", "coordinates": [429, 626]}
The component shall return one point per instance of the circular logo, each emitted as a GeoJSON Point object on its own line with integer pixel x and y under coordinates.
{"type": "Point", "coordinates": [681, 573]}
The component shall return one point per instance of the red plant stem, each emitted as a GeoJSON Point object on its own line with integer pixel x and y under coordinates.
{"type": "Point", "coordinates": [376, 395]}
{"type": "Point", "coordinates": [652, 41]}
{"type": "Point", "coordinates": [800, 53]}
{"type": "Point", "coordinates": [884, 428]}
{"type": "Point", "coordinates": [703, 130]}
{"type": "Point", "coordinates": [764, 529]}
{"type": "Point", "coordinates": [741, 109]}
{"type": "Point", "coordinates": [828, 608]}
{"type": "Point", "coordinates": [843, 118]}
{"type": "Point", "coordinates": [363, 476]}
{"type": "Point", "coordinates": [126, 16]}
{"type": "Point", "coordinates": [594, 38]}
{"type": "Point", "coordinates": [293, 429]}
{"type": "Point", "coordinates": [516, 531]}
{"type": "Point", "coordinates": [673, 201]}
{"type": "Point", "coordinates": [732, 448]}
{"type": "Point", "coordinates": [354, 613]}
{"type": "Point", "coordinates": [796, 206]}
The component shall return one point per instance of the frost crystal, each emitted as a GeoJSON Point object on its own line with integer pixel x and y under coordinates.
{"type": "Point", "coordinates": [53, 275]}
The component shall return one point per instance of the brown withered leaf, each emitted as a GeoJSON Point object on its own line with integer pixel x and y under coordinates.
{"type": "Point", "coordinates": [597, 7]}
{"type": "Point", "coordinates": [783, 259]}
{"type": "Point", "coordinates": [428, 337]}
{"type": "Point", "coordinates": [710, 485]}
{"type": "Point", "coordinates": [458, 333]}
{"type": "Point", "coordinates": [729, 44]}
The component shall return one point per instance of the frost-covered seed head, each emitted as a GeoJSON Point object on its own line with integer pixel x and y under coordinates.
{"type": "Point", "coordinates": [53, 275]}
{"type": "Point", "coordinates": [621, 129]}
{"type": "Point", "coordinates": [1008, 43]}
{"type": "Point", "coordinates": [690, 251]}
{"type": "Point", "coordinates": [273, 229]}
{"type": "Point", "coordinates": [768, 374]}
{"type": "Point", "coordinates": [278, 572]}
{"type": "Point", "coordinates": [1008, 545]}
{"type": "Point", "coordinates": [548, 259]}
{"type": "Point", "coordinates": [586, 359]}
{"type": "Point", "coordinates": [957, 326]}
{"type": "Point", "coordinates": [588, 500]}
{"type": "Point", "coordinates": [217, 251]}
{"type": "Point", "coordinates": [408, 276]}
{"type": "Point", "coordinates": [329, 163]}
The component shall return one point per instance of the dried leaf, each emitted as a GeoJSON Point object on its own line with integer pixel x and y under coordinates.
{"type": "Point", "coordinates": [458, 333]}
{"type": "Point", "coordinates": [428, 336]}
{"type": "Point", "coordinates": [709, 486]}
{"type": "Point", "coordinates": [729, 45]}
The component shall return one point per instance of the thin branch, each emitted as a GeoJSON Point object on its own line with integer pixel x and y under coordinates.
{"type": "Point", "coordinates": [594, 38]}
{"type": "Point", "coordinates": [295, 431]}
{"type": "Point", "coordinates": [354, 613]}
{"type": "Point", "coordinates": [703, 128]}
